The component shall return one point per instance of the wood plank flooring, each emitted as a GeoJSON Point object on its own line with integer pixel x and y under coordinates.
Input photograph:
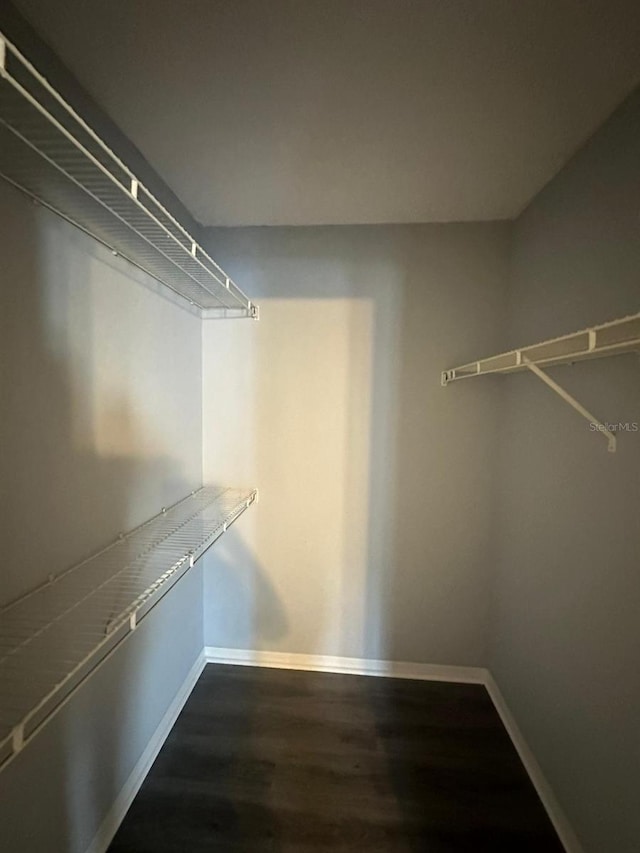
{"type": "Point", "coordinates": [276, 761]}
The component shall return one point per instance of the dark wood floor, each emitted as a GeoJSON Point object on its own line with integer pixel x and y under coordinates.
{"type": "Point", "coordinates": [276, 761]}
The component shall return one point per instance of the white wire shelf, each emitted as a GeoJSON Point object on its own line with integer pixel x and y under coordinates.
{"type": "Point", "coordinates": [54, 637]}
{"type": "Point", "coordinates": [613, 338]}
{"type": "Point", "coordinates": [49, 152]}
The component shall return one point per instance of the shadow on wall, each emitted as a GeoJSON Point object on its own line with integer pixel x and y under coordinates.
{"type": "Point", "coordinates": [376, 485]}
{"type": "Point", "coordinates": [242, 602]}
{"type": "Point", "coordinates": [79, 449]}
{"type": "Point", "coordinates": [81, 461]}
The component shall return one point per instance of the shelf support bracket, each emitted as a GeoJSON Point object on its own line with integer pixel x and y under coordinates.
{"type": "Point", "coordinates": [17, 737]}
{"type": "Point", "coordinates": [572, 402]}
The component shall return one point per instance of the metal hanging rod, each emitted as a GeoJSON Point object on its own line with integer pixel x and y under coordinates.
{"type": "Point", "coordinates": [53, 638]}
{"type": "Point", "coordinates": [49, 152]}
{"type": "Point", "coordinates": [612, 338]}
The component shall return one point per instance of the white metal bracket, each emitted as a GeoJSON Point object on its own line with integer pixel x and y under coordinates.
{"type": "Point", "coordinates": [252, 312]}
{"type": "Point", "coordinates": [572, 402]}
{"type": "Point", "coordinates": [17, 737]}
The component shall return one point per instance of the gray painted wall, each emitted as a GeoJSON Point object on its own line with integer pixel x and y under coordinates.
{"type": "Point", "coordinates": [372, 535]}
{"type": "Point", "coordinates": [100, 383]}
{"type": "Point", "coordinates": [566, 633]}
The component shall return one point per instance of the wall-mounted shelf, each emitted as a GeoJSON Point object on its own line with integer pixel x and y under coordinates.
{"type": "Point", "coordinates": [612, 338]}
{"type": "Point", "coordinates": [49, 152]}
{"type": "Point", "coordinates": [54, 637]}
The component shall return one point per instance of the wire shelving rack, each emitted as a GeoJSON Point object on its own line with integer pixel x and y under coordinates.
{"type": "Point", "coordinates": [54, 637]}
{"type": "Point", "coordinates": [613, 338]}
{"type": "Point", "coordinates": [49, 152]}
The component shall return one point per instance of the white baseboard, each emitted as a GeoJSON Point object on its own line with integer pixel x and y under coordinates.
{"type": "Point", "coordinates": [425, 672]}
{"type": "Point", "coordinates": [352, 666]}
{"type": "Point", "coordinates": [545, 792]}
{"type": "Point", "coordinates": [115, 816]}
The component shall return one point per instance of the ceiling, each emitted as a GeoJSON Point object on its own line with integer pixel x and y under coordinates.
{"type": "Point", "coordinates": [300, 112]}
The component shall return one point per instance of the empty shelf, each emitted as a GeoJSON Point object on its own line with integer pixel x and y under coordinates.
{"type": "Point", "coordinates": [613, 338]}
{"type": "Point", "coordinates": [52, 638]}
{"type": "Point", "coordinates": [49, 152]}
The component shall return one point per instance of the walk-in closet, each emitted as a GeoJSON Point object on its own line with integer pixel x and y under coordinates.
{"type": "Point", "coordinates": [319, 426]}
